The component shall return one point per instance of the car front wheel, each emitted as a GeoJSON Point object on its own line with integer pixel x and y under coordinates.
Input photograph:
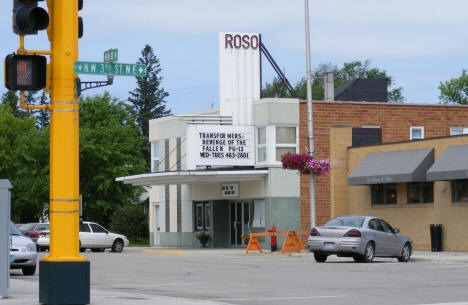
{"type": "Point", "coordinates": [405, 253]}
{"type": "Point", "coordinates": [117, 246]}
{"type": "Point", "coordinates": [29, 270]}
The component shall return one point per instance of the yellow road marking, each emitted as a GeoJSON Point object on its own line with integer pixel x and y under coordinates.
{"type": "Point", "coordinates": [163, 252]}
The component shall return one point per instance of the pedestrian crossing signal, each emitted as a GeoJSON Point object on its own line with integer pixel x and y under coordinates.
{"type": "Point", "coordinates": [25, 72]}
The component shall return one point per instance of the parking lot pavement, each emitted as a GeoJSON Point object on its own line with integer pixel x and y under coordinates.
{"type": "Point", "coordinates": [228, 276]}
{"type": "Point", "coordinates": [24, 292]}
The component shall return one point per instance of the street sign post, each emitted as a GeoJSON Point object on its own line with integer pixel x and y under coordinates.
{"type": "Point", "coordinates": [102, 68]}
{"type": "Point", "coordinates": [111, 55]}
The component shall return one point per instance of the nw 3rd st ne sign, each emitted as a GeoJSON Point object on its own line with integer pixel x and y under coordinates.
{"type": "Point", "coordinates": [101, 68]}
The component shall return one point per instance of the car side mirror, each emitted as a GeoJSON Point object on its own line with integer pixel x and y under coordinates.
{"type": "Point", "coordinates": [396, 230]}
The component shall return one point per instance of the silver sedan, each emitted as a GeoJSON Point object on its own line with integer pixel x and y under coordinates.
{"type": "Point", "coordinates": [23, 253]}
{"type": "Point", "coordinates": [359, 237]}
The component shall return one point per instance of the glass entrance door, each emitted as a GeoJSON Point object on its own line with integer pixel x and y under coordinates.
{"type": "Point", "coordinates": [241, 214]}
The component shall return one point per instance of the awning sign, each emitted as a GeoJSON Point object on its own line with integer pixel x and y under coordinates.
{"type": "Point", "coordinates": [229, 190]}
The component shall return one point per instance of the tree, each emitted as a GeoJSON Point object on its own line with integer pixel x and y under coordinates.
{"type": "Point", "coordinates": [349, 71]}
{"type": "Point", "coordinates": [455, 90]}
{"type": "Point", "coordinates": [24, 155]}
{"type": "Point", "coordinates": [12, 100]}
{"type": "Point", "coordinates": [148, 98]}
{"type": "Point", "coordinates": [43, 116]}
{"type": "Point", "coordinates": [130, 221]}
{"type": "Point", "coordinates": [109, 137]}
{"type": "Point", "coordinates": [31, 179]}
{"type": "Point", "coordinates": [30, 99]}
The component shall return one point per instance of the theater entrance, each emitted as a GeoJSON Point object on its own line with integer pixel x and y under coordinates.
{"type": "Point", "coordinates": [241, 216]}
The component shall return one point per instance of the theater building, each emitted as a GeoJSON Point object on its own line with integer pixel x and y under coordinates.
{"type": "Point", "coordinates": [406, 163]}
{"type": "Point", "coordinates": [218, 170]}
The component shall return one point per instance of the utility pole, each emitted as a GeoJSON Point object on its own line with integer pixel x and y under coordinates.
{"type": "Point", "coordinates": [310, 122]}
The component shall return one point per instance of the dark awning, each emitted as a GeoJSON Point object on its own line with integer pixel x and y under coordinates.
{"type": "Point", "coordinates": [451, 165]}
{"type": "Point", "coordinates": [393, 167]}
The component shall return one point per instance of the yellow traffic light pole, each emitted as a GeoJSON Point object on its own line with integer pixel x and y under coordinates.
{"type": "Point", "coordinates": [64, 126]}
{"type": "Point", "coordinates": [64, 275]}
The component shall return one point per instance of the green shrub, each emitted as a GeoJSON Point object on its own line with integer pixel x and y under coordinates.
{"type": "Point", "coordinates": [130, 221]}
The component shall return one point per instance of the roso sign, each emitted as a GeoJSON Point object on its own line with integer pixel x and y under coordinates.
{"type": "Point", "coordinates": [241, 41]}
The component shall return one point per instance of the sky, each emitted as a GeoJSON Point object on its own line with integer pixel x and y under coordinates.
{"type": "Point", "coordinates": [418, 42]}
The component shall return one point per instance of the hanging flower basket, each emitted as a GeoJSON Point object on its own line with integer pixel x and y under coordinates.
{"type": "Point", "coordinates": [319, 167]}
{"type": "Point", "coordinates": [296, 162]}
{"type": "Point", "coordinates": [305, 164]}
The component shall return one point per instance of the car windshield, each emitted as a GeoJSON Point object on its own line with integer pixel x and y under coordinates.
{"type": "Point", "coordinates": [347, 221]}
{"type": "Point", "coordinates": [27, 226]}
{"type": "Point", "coordinates": [14, 229]}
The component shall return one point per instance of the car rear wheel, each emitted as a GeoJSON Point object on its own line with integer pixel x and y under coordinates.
{"type": "Point", "coordinates": [369, 253]}
{"type": "Point", "coordinates": [405, 253]}
{"type": "Point", "coordinates": [29, 270]}
{"type": "Point", "coordinates": [117, 246]}
{"type": "Point", "coordinates": [320, 257]}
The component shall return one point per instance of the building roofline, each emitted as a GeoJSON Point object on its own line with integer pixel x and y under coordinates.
{"type": "Point", "coordinates": [178, 116]}
{"type": "Point", "coordinates": [385, 104]}
{"type": "Point", "coordinates": [409, 141]}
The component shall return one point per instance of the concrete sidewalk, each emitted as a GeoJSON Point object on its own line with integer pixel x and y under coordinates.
{"type": "Point", "coordinates": [26, 292]}
{"type": "Point", "coordinates": [417, 256]}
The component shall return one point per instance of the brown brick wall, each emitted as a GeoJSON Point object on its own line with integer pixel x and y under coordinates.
{"type": "Point", "coordinates": [394, 120]}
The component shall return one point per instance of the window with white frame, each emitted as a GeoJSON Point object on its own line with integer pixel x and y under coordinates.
{"type": "Point", "coordinates": [261, 144]}
{"type": "Point", "coordinates": [455, 131]}
{"type": "Point", "coordinates": [286, 141]}
{"type": "Point", "coordinates": [155, 156]}
{"type": "Point", "coordinates": [416, 132]}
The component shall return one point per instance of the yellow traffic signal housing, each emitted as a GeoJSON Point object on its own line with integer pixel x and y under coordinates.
{"type": "Point", "coordinates": [25, 72]}
{"type": "Point", "coordinates": [28, 18]}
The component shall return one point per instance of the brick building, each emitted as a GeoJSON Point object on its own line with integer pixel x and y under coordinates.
{"type": "Point", "coordinates": [386, 122]}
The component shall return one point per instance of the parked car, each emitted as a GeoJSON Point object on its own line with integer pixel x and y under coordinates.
{"type": "Point", "coordinates": [94, 237]}
{"type": "Point", "coordinates": [23, 254]}
{"type": "Point", "coordinates": [33, 229]}
{"type": "Point", "coordinates": [359, 237]}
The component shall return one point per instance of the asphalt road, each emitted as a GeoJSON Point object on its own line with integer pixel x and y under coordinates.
{"type": "Point", "coordinates": [228, 276]}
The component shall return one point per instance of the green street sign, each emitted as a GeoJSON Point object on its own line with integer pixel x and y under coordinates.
{"type": "Point", "coordinates": [111, 55]}
{"type": "Point", "coordinates": [102, 68]}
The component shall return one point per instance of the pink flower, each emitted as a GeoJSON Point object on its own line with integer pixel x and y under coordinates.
{"type": "Point", "coordinates": [305, 163]}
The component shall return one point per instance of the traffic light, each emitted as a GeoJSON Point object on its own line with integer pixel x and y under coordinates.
{"type": "Point", "coordinates": [80, 20]}
{"type": "Point", "coordinates": [28, 18]}
{"type": "Point", "coordinates": [25, 72]}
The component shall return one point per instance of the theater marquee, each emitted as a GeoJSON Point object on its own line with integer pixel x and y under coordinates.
{"type": "Point", "coordinates": [220, 145]}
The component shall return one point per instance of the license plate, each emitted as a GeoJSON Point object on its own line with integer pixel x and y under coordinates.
{"type": "Point", "coordinates": [329, 245]}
